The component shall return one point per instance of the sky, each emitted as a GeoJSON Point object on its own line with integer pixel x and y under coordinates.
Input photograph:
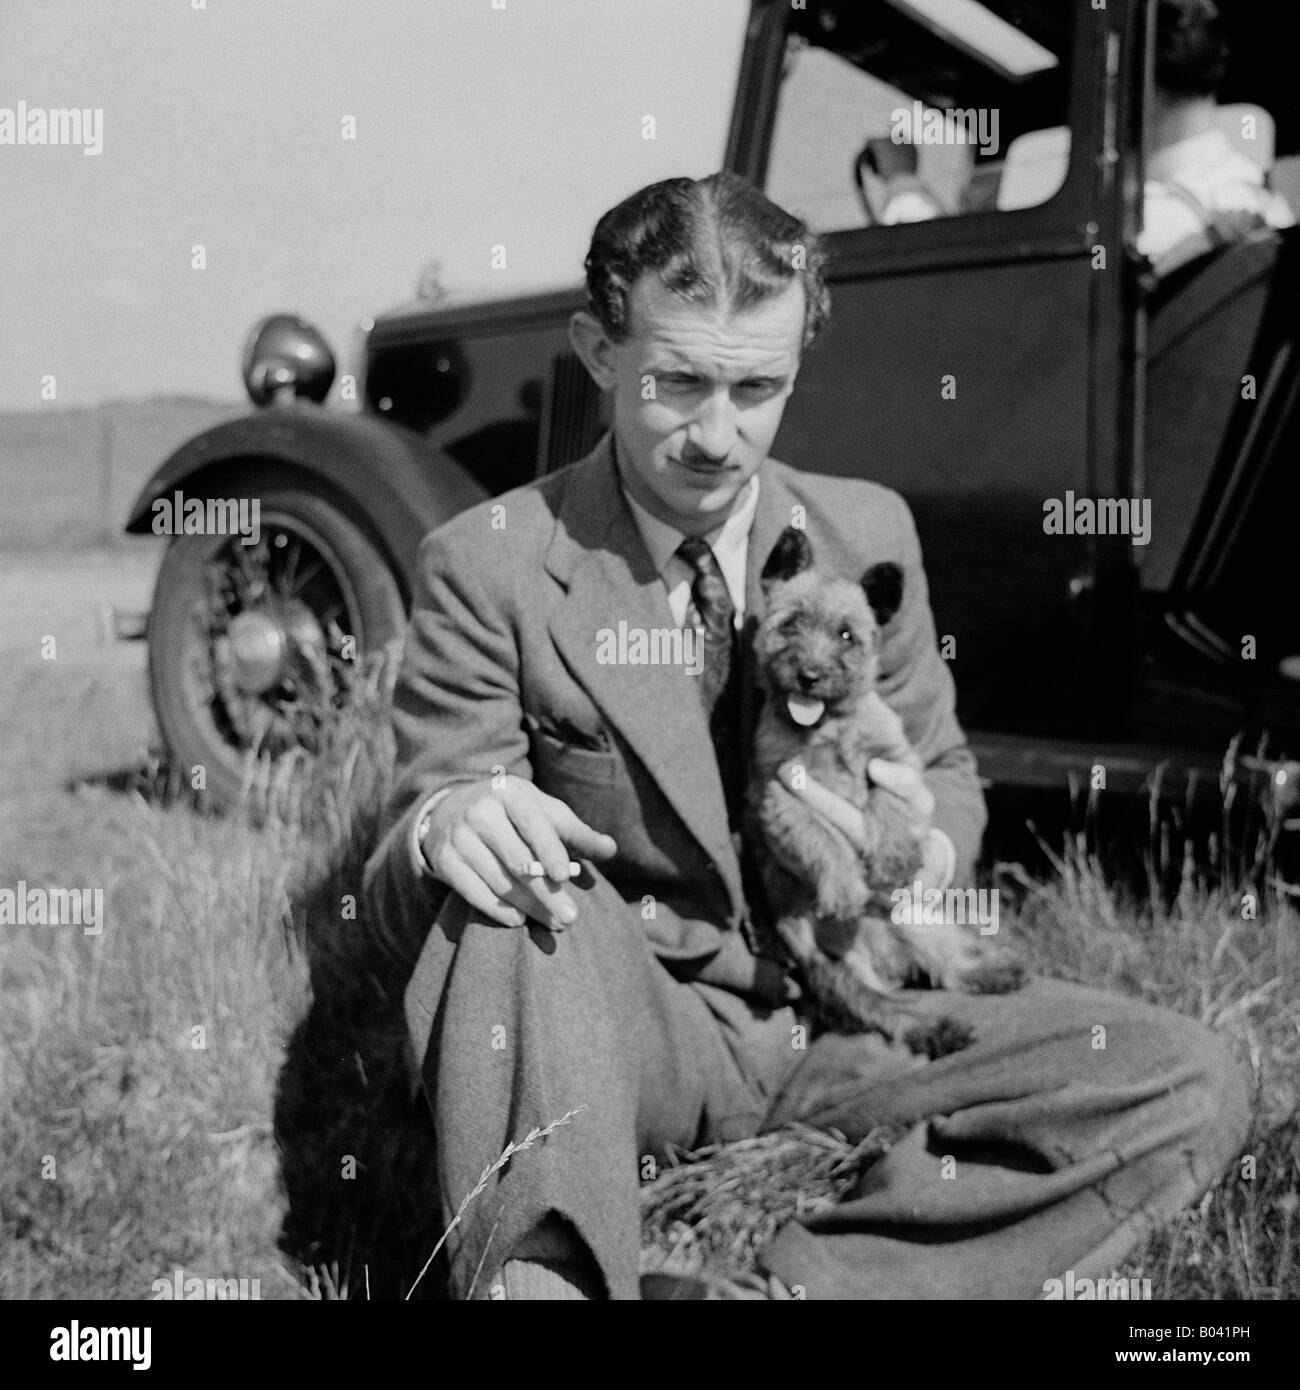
{"type": "Point", "coordinates": [478, 124]}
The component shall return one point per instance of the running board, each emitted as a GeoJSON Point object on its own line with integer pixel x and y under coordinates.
{"type": "Point", "coordinates": [1133, 768]}
{"type": "Point", "coordinates": [1129, 767]}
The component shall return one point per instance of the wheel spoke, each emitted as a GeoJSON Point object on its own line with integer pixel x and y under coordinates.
{"type": "Point", "coordinates": [291, 568]}
{"type": "Point", "coordinates": [240, 576]}
{"type": "Point", "coordinates": [305, 578]}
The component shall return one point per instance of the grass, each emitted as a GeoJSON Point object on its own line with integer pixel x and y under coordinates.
{"type": "Point", "coordinates": [138, 1066]}
{"type": "Point", "coordinates": [283, 1142]}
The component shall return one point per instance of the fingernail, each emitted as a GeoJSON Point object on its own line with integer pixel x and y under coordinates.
{"type": "Point", "coordinates": [573, 869]}
{"type": "Point", "coordinates": [565, 912]}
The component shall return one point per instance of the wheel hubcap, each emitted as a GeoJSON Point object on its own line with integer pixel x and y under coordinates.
{"type": "Point", "coordinates": [266, 643]}
{"type": "Point", "coordinates": [257, 649]}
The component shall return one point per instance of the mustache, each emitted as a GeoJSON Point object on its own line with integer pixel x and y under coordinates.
{"type": "Point", "coordinates": [696, 459]}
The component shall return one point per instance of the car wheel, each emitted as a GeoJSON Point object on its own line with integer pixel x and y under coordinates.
{"type": "Point", "coordinates": [249, 650]}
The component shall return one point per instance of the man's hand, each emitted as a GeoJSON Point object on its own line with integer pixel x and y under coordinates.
{"type": "Point", "coordinates": [906, 783]}
{"type": "Point", "coordinates": [903, 781]}
{"type": "Point", "coordinates": [506, 851]}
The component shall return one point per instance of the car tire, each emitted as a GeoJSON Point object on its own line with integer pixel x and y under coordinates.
{"type": "Point", "coordinates": [208, 719]}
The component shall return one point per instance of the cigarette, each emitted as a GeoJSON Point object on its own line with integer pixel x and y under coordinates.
{"type": "Point", "coordinates": [535, 869]}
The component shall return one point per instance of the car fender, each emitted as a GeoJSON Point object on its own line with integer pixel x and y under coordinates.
{"type": "Point", "coordinates": [398, 487]}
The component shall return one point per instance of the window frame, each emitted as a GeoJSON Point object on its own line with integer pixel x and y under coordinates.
{"type": "Point", "coordinates": [1064, 225]}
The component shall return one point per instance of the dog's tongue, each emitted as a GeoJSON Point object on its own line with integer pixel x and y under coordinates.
{"type": "Point", "coordinates": [804, 711]}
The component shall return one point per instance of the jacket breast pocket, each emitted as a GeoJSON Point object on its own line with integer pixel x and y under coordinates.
{"type": "Point", "coordinates": [585, 779]}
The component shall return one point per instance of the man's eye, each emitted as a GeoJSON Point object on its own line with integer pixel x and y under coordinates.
{"type": "Point", "coordinates": [757, 389]}
{"type": "Point", "coordinates": [679, 381]}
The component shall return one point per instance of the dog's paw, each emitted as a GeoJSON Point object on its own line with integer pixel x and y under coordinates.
{"type": "Point", "coordinates": [939, 1038]}
{"type": "Point", "coordinates": [997, 974]}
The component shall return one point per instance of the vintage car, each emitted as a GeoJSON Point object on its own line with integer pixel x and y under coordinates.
{"type": "Point", "coordinates": [1007, 361]}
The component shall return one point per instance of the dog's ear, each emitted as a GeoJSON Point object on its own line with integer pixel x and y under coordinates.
{"type": "Point", "coordinates": [790, 556]}
{"type": "Point", "coordinates": [883, 584]}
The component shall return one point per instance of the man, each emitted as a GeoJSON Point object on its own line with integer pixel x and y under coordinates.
{"type": "Point", "coordinates": [1200, 193]}
{"type": "Point", "coordinates": [642, 989]}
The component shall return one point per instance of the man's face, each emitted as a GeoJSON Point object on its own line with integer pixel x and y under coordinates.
{"type": "Point", "coordinates": [717, 385]}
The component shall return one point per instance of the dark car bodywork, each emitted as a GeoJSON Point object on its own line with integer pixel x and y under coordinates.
{"type": "Point", "coordinates": [980, 364]}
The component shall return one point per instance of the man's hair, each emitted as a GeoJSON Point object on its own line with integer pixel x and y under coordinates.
{"type": "Point", "coordinates": [1191, 52]}
{"type": "Point", "coordinates": [711, 241]}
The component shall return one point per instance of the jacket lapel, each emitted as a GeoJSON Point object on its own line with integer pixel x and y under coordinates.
{"type": "Point", "coordinates": [774, 512]}
{"type": "Point", "coordinates": [598, 554]}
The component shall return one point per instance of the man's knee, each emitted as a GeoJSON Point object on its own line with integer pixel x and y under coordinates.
{"type": "Point", "coordinates": [604, 937]}
{"type": "Point", "coordinates": [1219, 1093]}
{"type": "Point", "coordinates": [470, 964]}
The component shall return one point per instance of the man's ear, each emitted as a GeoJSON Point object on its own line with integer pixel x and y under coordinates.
{"type": "Point", "coordinates": [883, 585]}
{"type": "Point", "coordinates": [594, 348]}
{"type": "Point", "coordinates": [790, 556]}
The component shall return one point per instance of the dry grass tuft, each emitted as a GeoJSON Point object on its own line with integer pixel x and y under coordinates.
{"type": "Point", "coordinates": [716, 1208]}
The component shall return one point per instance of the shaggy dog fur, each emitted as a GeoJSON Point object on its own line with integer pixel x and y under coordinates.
{"type": "Point", "coordinates": [817, 653]}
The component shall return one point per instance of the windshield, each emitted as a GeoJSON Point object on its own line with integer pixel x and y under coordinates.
{"type": "Point", "coordinates": [909, 110]}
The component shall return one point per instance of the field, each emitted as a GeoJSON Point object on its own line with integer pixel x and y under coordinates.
{"type": "Point", "coordinates": [214, 1083]}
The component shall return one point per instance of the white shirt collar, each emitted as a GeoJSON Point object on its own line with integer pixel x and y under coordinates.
{"type": "Point", "coordinates": [729, 543]}
{"type": "Point", "coordinates": [662, 540]}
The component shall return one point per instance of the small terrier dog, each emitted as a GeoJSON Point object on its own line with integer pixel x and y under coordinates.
{"type": "Point", "coordinates": [817, 655]}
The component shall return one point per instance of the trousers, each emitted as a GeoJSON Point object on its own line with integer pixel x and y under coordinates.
{"type": "Point", "coordinates": [1073, 1124]}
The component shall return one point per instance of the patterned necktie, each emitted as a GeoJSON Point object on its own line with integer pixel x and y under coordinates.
{"type": "Point", "coordinates": [712, 610]}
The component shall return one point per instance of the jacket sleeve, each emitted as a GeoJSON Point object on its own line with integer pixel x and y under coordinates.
{"type": "Point", "coordinates": [456, 712]}
{"type": "Point", "coordinates": [915, 680]}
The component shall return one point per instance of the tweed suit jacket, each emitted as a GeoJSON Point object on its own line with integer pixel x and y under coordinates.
{"type": "Point", "coordinates": [500, 673]}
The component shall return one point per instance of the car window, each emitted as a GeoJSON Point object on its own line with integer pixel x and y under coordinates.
{"type": "Point", "coordinates": [895, 111]}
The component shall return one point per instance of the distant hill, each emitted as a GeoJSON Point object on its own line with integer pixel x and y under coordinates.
{"type": "Point", "coordinates": [68, 474]}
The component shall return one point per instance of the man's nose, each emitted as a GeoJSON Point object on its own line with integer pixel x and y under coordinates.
{"type": "Point", "coordinates": [713, 431]}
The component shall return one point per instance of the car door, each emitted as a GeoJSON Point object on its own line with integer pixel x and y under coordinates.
{"type": "Point", "coordinates": [960, 160]}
